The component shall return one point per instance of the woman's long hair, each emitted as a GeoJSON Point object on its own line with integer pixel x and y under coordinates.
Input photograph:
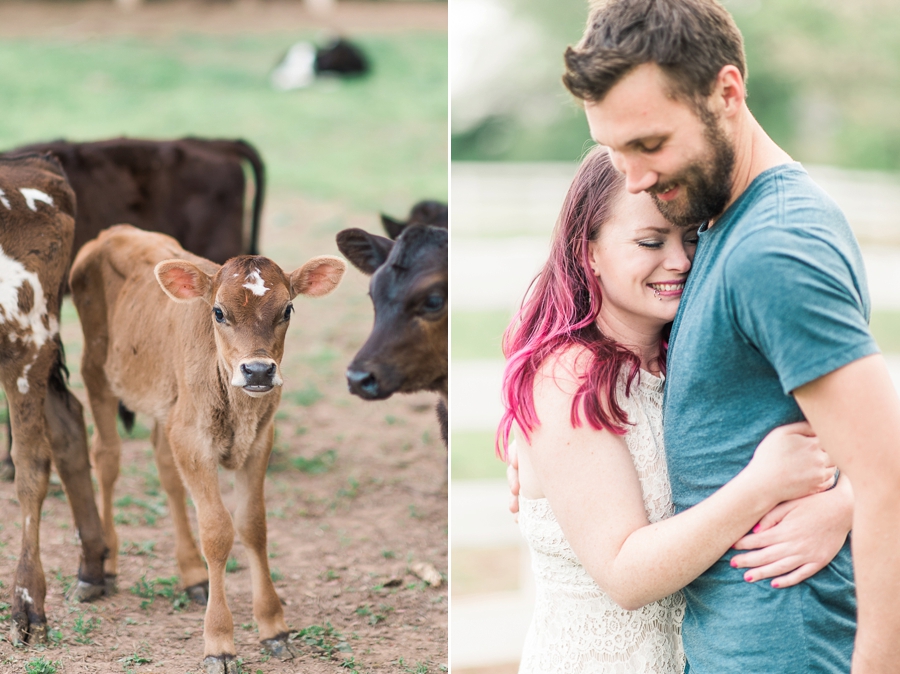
{"type": "Point", "coordinates": [561, 310]}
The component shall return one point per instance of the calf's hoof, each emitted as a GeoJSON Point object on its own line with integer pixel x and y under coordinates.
{"type": "Point", "coordinates": [221, 664]}
{"type": "Point", "coordinates": [280, 647]}
{"type": "Point", "coordinates": [84, 591]}
{"type": "Point", "coordinates": [199, 593]}
{"type": "Point", "coordinates": [27, 633]}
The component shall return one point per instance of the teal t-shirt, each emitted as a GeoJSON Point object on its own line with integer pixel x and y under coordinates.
{"type": "Point", "coordinates": [776, 298]}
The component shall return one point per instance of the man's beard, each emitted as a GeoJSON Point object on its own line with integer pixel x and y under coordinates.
{"type": "Point", "coordinates": [706, 184]}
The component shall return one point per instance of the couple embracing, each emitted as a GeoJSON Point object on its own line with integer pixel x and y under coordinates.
{"type": "Point", "coordinates": [695, 344]}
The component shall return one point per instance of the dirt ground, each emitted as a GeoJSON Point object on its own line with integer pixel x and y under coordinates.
{"type": "Point", "coordinates": [356, 496]}
{"type": "Point", "coordinates": [74, 20]}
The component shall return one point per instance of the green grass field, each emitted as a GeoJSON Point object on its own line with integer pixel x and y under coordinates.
{"type": "Point", "coordinates": [376, 143]}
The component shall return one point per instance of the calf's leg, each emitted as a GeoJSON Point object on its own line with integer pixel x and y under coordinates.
{"type": "Point", "coordinates": [250, 518]}
{"type": "Point", "coordinates": [194, 575]}
{"type": "Point", "coordinates": [68, 440]}
{"type": "Point", "coordinates": [216, 539]}
{"type": "Point", "coordinates": [31, 453]}
{"type": "Point", "coordinates": [106, 450]}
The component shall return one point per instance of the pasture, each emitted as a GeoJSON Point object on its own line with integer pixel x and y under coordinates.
{"type": "Point", "coordinates": [356, 491]}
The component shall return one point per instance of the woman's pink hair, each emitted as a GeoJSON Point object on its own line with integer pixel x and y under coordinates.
{"type": "Point", "coordinates": [561, 309]}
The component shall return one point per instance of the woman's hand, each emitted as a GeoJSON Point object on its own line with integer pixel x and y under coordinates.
{"type": "Point", "coordinates": [798, 538]}
{"type": "Point", "coordinates": [790, 463]}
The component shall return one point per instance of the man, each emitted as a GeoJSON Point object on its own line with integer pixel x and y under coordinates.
{"type": "Point", "coordinates": [772, 327]}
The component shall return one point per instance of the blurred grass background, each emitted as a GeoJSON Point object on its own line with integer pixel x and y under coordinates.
{"type": "Point", "coordinates": [375, 143]}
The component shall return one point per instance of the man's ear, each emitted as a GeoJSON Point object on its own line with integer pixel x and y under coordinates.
{"type": "Point", "coordinates": [729, 90]}
{"type": "Point", "coordinates": [183, 281]}
{"type": "Point", "coordinates": [367, 252]}
{"type": "Point", "coordinates": [318, 277]}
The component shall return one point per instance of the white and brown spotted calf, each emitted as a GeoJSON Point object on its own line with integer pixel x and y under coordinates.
{"type": "Point", "coordinates": [37, 209]}
{"type": "Point", "coordinates": [407, 350]}
{"type": "Point", "coordinates": [197, 347]}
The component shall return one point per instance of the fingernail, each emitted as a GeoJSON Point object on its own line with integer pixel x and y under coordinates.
{"type": "Point", "coordinates": [733, 564]}
{"type": "Point", "coordinates": [756, 529]}
{"type": "Point", "coordinates": [748, 577]}
{"type": "Point", "coordinates": [775, 583]}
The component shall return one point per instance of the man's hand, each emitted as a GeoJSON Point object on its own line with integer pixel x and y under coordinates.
{"type": "Point", "coordinates": [512, 477]}
{"type": "Point", "coordinates": [798, 538]}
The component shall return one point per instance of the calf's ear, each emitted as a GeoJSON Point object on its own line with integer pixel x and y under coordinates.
{"type": "Point", "coordinates": [394, 228]}
{"type": "Point", "coordinates": [318, 277]}
{"type": "Point", "coordinates": [367, 252]}
{"type": "Point", "coordinates": [183, 281]}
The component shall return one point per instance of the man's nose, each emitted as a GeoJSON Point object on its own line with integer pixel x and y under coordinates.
{"type": "Point", "coordinates": [638, 177]}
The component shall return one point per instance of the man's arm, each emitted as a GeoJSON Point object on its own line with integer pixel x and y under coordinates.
{"type": "Point", "coordinates": [855, 411]}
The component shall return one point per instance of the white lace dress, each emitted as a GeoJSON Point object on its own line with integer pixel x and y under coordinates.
{"type": "Point", "coordinates": [577, 628]}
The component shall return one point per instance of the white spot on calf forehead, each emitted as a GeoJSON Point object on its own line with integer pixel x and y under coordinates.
{"type": "Point", "coordinates": [255, 283]}
{"type": "Point", "coordinates": [32, 195]}
{"type": "Point", "coordinates": [4, 200]}
{"type": "Point", "coordinates": [28, 327]}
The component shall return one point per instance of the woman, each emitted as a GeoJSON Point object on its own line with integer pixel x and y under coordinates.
{"type": "Point", "coordinates": [595, 502]}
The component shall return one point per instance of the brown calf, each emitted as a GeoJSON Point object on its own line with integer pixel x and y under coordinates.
{"type": "Point", "coordinates": [407, 350]}
{"type": "Point", "coordinates": [197, 347]}
{"type": "Point", "coordinates": [37, 209]}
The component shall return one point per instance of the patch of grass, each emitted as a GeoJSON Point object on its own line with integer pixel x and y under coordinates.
{"type": "Point", "coordinates": [305, 397]}
{"type": "Point", "coordinates": [142, 549]}
{"type": "Point", "coordinates": [476, 335]}
{"type": "Point", "coordinates": [275, 575]}
{"type": "Point", "coordinates": [320, 463]}
{"type": "Point", "coordinates": [324, 639]}
{"type": "Point", "coordinates": [84, 627]}
{"type": "Point", "coordinates": [473, 458]}
{"type": "Point", "coordinates": [231, 565]}
{"type": "Point", "coordinates": [5, 613]}
{"type": "Point", "coordinates": [217, 86]}
{"type": "Point", "coordinates": [40, 665]}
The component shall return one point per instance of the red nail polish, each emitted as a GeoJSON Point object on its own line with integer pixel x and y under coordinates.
{"type": "Point", "coordinates": [748, 578]}
{"type": "Point", "coordinates": [733, 564]}
{"type": "Point", "coordinates": [775, 583]}
{"type": "Point", "coordinates": [756, 529]}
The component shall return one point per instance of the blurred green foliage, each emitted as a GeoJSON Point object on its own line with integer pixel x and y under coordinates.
{"type": "Point", "coordinates": [824, 81]}
{"type": "Point", "coordinates": [477, 334]}
{"type": "Point", "coordinates": [377, 142]}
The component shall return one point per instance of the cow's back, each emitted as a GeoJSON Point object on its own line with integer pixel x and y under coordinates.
{"type": "Point", "coordinates": [125, 312]}
{"type": "Point", "coordinates": [188, 189]}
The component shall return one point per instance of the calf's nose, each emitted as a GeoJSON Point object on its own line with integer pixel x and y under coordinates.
{"type": "Point", "coordinates": [257, 373]}
{"type": "Point", "coordinates": [363, 384]}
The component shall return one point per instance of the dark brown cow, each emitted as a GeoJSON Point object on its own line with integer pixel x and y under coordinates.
{"type": "Point", "coordinates": [191, 189]}
{"type": "Point", "coordinates": [425, 212]}
{"type": "Point", "coordinates": [197, 347]}
{"type": "Point", "coordinates": [407, 350]}
{"type": "Point", "coordinates": [37, 209]}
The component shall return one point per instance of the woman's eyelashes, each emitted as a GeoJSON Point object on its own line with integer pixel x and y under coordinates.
{"type": "Point", "coordinates": [654, 244]}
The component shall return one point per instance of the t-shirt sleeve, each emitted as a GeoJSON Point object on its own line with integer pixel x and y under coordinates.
{"type": "Point", "coordinates": [796, 299]}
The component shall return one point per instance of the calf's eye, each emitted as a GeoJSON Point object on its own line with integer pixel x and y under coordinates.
{"type": "Point", "coordinates": [287, 312]}
{"type": "Point", "coordinates": [433, 303]}
{"type": "Point", "coordinates": [219, 314]}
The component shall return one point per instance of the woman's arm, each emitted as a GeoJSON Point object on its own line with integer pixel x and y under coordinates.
{"type": "Point", "coordinates": [591, 483]}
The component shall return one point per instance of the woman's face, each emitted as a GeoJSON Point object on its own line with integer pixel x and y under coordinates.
{"type": "Point", "coordinates": [641, 261]}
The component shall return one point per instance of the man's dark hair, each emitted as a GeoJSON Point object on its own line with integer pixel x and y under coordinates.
{"type": "Point", "coordinates": [691, 40]}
